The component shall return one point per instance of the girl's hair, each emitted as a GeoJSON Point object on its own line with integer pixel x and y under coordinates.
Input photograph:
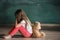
{"type": "Point", "coordinates": [18, 12]}
{"type": "Point", "coordinates": [22, 14]}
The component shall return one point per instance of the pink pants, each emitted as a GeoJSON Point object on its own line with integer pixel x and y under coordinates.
{"type": "Point", "coordinates": [22, 30]}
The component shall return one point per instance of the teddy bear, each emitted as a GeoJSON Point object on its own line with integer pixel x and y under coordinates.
{"type": "Point", "coordinates": [37, 30]}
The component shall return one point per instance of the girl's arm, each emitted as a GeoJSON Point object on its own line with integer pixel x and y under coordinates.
{"type": "Point", "coordinates": [27, 22]}
{"type": "Point", "coordinates": [16, 23]}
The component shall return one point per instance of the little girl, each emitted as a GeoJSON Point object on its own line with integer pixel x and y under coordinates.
{"type": "Point", "coordinates": [22, 24]}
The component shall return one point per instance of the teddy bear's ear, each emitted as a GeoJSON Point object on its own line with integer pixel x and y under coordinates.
{"type": "Point", "coordinates": [37, 22]}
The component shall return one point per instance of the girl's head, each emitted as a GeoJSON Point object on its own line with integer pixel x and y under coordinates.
{"type": "Point", "coordinates": [19, 14]}
{"type": "Point", "coordinates": [37, 25]}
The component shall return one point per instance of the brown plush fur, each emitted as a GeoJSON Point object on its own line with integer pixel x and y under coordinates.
{"type": "Point", "coordinates": [36, 32]}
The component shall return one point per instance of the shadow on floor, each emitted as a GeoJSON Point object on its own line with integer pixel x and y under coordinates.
{"type": "Point", "coordinates": [1, 35]}
{"type": "Point", "coordinates": [15, 36]}
{"type": "Point", "coordinates": [53, 28]}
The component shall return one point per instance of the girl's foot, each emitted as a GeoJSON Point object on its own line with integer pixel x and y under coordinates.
{"type": "Point", "coordinates": [7, 37]}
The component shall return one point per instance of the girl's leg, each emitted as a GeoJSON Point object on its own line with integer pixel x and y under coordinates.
{"type": "Point", "coordinates": [13, 31]}
{"type": "Point", "coordinates": [24, 32]}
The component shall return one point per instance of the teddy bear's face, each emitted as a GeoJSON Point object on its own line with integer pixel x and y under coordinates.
{"type": "Point", "coordinates": [37, 25]}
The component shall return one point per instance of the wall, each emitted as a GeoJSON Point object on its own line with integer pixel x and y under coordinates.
{"type": "Point", "coordinates": [45, 11]}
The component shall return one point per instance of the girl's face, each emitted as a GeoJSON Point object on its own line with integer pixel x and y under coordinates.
{"type": "Point", "coordinates": [18, 16]}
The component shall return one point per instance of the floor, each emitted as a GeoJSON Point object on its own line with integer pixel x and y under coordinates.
{"type": "Point", "coordinates": [50, 35]}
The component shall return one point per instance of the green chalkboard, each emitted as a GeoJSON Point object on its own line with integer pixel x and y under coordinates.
{"type": "Point", "coordinates": [45, 11]}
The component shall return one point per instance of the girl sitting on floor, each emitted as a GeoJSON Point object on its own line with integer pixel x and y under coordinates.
{"type": "Point", "coordinates": [22, 24]}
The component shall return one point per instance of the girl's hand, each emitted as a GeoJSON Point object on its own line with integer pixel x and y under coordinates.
{"type": "Point", "coordinates": [18, 25]}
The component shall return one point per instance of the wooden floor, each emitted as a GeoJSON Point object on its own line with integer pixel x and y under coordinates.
{"type": "Point", "coordinates": [50, 35]}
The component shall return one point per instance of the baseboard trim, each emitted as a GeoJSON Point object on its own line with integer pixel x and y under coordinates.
{"type": "Point", "coordinates": [50, 24]}
{"type": "Point", "coordinates": [41, 24]}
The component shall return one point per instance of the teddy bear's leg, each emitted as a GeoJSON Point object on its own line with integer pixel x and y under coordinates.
{"type": "Point", "coordinates": [42, 34]}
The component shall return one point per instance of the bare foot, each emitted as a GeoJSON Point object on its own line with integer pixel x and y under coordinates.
{"type": "Point", "coordinates": [7, 37]}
